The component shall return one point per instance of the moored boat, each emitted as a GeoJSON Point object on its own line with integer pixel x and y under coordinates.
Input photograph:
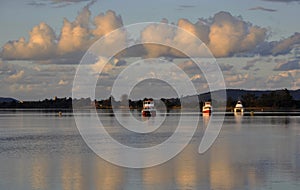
{"type": "Point", "coordinates": [207, 108]}
{"type": "Point", "coordinates": [239, 108]}
{"type": "Point", "coordinates": [148, 108]}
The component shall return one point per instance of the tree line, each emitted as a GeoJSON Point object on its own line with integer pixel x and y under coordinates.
{"type": "Point", "coordinates": [276, 99]}
{"type": "Point", "coordinates": [279, 99]}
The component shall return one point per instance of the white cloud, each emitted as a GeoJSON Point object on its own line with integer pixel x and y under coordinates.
{"type": "Point", "coordinates": [197, 78]}
{"type": "Point", "coordinates": [74, 39]}
{"type": "Point", "coordinates": [286, 79]}
{"type": "Point", "coordinates": [6, 69]}
{"type": "Point", "coordinates": [229, 35]}
{"type": "Point", "coordinates": [41, 45]}
{"type": "Point", "coordinates": [286, 45]}
{"type": "Point", "coordinates": [63, 82]}
{"type": "Point", "coordinates": [15, 77]}
{"type": "Point", "coordinates": [238, 79]}
{"type": "Point", "coordinates": [106, 23]}
{"type": "Point", "coordinates": [100, 65]}
{"type": "Point", "coordinates": [35, 82]}
{"type": "Point", "coordinates": [58, 3]}
{"type": "Point", "coordinates": [288, 65]}
{"type": "Point", "coordinates": [225, 36]}
{"type": "Point", "coordinates": [262, 9]}
{"type": "Point", "coordinates": [19, 88]}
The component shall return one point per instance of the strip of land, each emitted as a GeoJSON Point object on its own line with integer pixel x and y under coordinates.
{"type": "Point", "coordinates": [258, 101]}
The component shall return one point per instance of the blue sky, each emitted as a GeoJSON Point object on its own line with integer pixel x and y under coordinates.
{"type": "Point", "coordinates": [39, 75]}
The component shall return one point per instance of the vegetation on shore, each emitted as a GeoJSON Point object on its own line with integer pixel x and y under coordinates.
{"type": "Point", "coordinates": [272, 100]}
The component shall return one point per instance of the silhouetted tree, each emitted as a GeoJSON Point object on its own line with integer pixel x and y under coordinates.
{"type": "Point", "coordinates": [249, 100]}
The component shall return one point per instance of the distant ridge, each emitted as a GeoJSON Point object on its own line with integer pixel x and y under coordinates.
{"type": "Point", "coordinates": [232, 96]}
{"type": "Point", "coordinates": [237, 93]}
{"type": "Point", "coordinates": [7, 100]}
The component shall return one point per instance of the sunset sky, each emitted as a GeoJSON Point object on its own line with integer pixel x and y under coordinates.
{"type": "Point", "coordinates": [256, 42]}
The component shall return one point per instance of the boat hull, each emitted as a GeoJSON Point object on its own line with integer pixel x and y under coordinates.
{"type": "Point", "coordinates": [207, 108]}
{"type": "Point", "coordinates": [238, 110]}
{"type": "Point", "coordinates": [206, 111]}
{"type": "Point", "coordinates": [148, 113]}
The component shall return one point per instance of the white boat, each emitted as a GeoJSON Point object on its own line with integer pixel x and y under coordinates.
{"type": "Point", "coordinates": [207, 108]}
{"type": "Point", "coordinates": [148, 108]}
{"type": "Point", "coordinates": [239, 108]}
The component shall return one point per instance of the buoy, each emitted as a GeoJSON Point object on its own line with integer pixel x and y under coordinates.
{"type": "Point", "coordinates": [60, 114]}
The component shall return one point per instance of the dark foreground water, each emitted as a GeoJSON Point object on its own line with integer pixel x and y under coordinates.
{"type": "Point", "coordinates": [39, 150]}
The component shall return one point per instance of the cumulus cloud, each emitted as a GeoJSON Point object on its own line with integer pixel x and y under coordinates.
{"type": "Point", "coordinates": [286, 45]}
{"type": "Point", "coordinates": [103, 65]}
{"type": "Point", "coordinates": [106, 23]}
{"type": "Point", "coordinates": [75, 35]}
{"type": "Point", "coordinates": [281, 47]}
{"type": "Point", "coordinates": [198, 29]}
{"type": "Point", "coordinates": [160, 34]}
{"type": "Point", "coordinates": [41, 45]}
{"type": "Point", "coordinates": [74, 39]}
{"type": "Point", "coordinates": [173, 40]}
{"type": "Point", "coordinates": [229, 35]}
{"type": "Point", "coordinates": [225, 35]}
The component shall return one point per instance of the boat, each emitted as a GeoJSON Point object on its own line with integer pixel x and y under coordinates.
{"type": "Point", "coordinates": [148, 108]}
{"type": "Point", "coordinates": [207, 108]}
{"type": "Point", "coordinates": [239, 108]}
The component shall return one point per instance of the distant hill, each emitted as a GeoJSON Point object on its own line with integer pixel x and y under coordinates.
{"type": "Point", "coordinates": [272, 98]}
{"type": "Point", "coordinates": [295, 94]}
{"type": "Point", "coordinates": [7, 100]}
{"type": "Point", "coordinates": [237, 94]}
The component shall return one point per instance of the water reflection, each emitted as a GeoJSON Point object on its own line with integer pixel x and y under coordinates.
{"type": "Point", "coordinates": [107, 176]}
{"type": "Point", "coordinates": [206, 118]}
{"type": "Point", "coordinates": [39, 173]}
{"type": "Point", "coordinates": [250, 153]}
{"type": "Point", "coordinates": [72, 174]}
{"type": "Point", "coordinates": [186, 174]}
{"type": "Point", "coordinates": [238, 117]}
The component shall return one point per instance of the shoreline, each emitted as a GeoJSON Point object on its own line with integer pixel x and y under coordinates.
{"type": "Point", "coordinates": [228, 112]}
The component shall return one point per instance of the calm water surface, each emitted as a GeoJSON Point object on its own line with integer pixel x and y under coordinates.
{"type": "Point", "coordinates": [39, 150]}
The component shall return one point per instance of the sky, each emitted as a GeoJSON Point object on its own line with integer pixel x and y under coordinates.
{"type": "Point", "coordinates": [256, 43]}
